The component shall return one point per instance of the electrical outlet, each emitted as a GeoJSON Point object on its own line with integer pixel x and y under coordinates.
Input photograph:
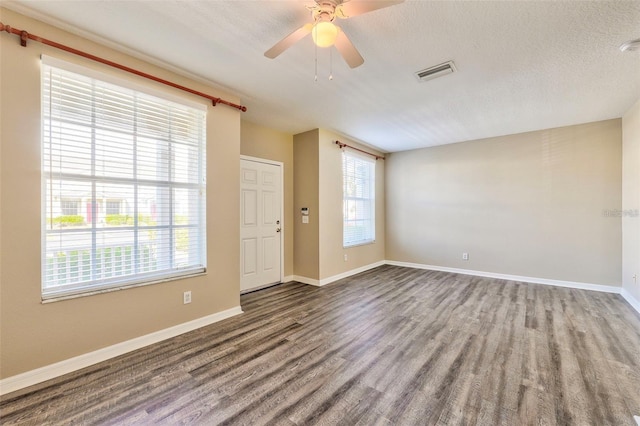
{"type": "Point", "coordinates": [186, 297]}
{"type": "Point", "coordinates": [465, 256]}
{"type": "Point", "coordinates": [346, 257]}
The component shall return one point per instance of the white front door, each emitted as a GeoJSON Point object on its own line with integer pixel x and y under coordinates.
{"type": "Point", "coordinates": [260, 224]}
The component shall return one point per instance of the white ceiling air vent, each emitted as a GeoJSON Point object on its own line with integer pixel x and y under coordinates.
{"type": "Point", "coordinates": [436, 71]}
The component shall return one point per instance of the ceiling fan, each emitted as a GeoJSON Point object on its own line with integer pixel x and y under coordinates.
{"type": "Point", "coordinates": [325, 33]}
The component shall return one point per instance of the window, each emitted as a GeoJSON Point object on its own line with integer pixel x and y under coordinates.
{"type": "Point", "coordinates": [69, 207]}
{"type": "Point", "coordinates": [123, 184]}
{"type": "Point", "coordinates": [358, 174]}
{"type": "Point", "coordinates": [113, 207]}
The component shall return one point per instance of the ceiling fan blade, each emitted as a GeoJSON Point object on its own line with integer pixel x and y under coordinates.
{"type": "Point", "coordinates": [358, 7]}
{"type": "Point", "coordinates": [288, 41]}
{"type": "Point", "coordinates": [348, 50]}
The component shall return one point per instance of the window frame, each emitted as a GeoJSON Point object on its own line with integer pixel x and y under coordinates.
{"type": "Point", "coordinates": [143, 93]}
{"type": "Point", "coordinates": [370, 237]}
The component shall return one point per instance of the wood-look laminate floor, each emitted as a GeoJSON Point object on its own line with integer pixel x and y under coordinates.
{"type": "Point", "coordinates": [389, 346]}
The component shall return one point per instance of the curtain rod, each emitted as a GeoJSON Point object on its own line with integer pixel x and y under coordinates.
{"type": "Point", "coordinates": [342, 145]}
{"type": "Point", "coordinates": [24, 36]}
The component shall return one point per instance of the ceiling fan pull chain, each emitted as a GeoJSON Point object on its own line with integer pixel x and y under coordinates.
{"type": "Point", "coordinates": [330, 64]}
{"type": "Point", "coordinates": [316, 60]}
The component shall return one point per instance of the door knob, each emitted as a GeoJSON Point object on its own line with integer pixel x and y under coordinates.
{"type": "Point", "coordinates": [278, 230]}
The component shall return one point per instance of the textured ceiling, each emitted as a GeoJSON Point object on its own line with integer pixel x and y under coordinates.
{"type": "Point", "coordinates": [522, 65]}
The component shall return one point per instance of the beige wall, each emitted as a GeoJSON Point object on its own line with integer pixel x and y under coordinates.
{"type": "Point", "coordinates": [35, 334]}
{"type": "Point", "coordinates": [529, 204]}
{"type": "Point", "coordinates": [262, 142]}
{"type": "Point", "coordinates": [631, 200]}
{"type": "Point", "coordinates": [331, 212]}
{"type": "Point", "coordinates": [306, 172]}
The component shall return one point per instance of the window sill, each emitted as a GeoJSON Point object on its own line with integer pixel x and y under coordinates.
{"type": "Point", "coordinates": [365, 243]}
{"type": "Point", "coordinates": [69, 296]}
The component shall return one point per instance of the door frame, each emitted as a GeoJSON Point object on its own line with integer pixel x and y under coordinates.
{"type": "Point", "coordinates": [282, 222]}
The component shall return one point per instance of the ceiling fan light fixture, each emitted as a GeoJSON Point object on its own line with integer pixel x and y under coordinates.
{"type": "Point", "coordinates": [324, 34]}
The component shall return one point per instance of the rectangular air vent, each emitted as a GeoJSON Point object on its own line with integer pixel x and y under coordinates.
{"type": "Point", "coordinates": [436, 71]}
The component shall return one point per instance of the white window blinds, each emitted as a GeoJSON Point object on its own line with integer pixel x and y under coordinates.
{"type": "Point", "coordinates": [358, 174]}
{"type": "Point", "coordinates": [123, 184]}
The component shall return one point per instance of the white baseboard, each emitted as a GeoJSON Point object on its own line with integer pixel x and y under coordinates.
{"type": "Point", "coordinates": [39, 375]}
{"type": "Point", "coordinates": [558, 283]}
{"type": "Point", "coordinates": [329, 280]}
{"type": "Point", "coordinates": [337, 277]}
{"type": "Point", "coordinates": [305, 280]}
{"type": "Point", "coordinates": [533, 280]}
{"type": "Point", "coordinates": [632, 301]}
{"type": "Point", "coordinates": [288, 278]}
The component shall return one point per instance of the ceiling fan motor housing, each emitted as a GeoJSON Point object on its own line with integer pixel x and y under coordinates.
{"type": "Point", "coordinates": [324, 11]}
